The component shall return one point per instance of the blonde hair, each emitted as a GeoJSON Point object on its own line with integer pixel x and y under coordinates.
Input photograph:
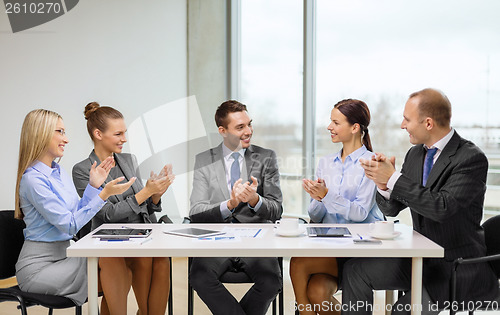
{"type": "Point", "coordinates": [36, 134]}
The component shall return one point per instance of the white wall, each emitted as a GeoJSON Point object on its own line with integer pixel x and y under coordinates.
{"type": "Point", "coordinates": [124, 53]}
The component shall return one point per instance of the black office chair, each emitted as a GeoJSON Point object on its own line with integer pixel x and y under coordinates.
{"type": "Point", "coordinates": [492, 238]}
{"type": "Point", "coordinates": [11, 242]}
{"type": "Point", "coordinates": [86, 229]}
{"type": "Point", "coordinates": [170, 306]}
{"type": "Point", "coordinates": [231, 276]}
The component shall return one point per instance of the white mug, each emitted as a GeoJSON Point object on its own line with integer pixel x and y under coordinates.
{"type": "Point", "coordinates": [384, 228]}
{"type": "Point", "coordinates": [287, 224]}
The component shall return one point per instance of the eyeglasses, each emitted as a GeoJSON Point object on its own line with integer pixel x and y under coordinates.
{"type": "Point", "coordinates": [61, 131]}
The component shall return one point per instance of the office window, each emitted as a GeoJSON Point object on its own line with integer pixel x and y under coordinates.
{"type": "Point", "coordinates": [271, 85]}
{"type": "Point", "coordinates": [379, 52]}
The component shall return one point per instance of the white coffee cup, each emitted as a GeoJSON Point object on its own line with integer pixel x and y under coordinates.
{"type": "Point", "coordinates": [287, 224]}
{"type": "Point", "coordinates": [382, 228]}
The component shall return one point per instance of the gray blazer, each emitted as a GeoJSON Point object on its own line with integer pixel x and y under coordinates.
{"type": "Point", "coordinates": [210, 187]}
{"type": "Point", "coordinates": [448, 210]}
{"type": "Point", "coordinates": [118, 208]}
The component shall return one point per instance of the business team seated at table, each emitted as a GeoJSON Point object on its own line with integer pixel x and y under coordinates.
{"type": "Point", "coordinates": [442, 181]}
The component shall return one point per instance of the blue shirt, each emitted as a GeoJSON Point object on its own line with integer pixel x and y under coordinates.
{"type": "Point", "coordinates": [52, 209]}
{"type": "Point", "coordinates": [351, 196]}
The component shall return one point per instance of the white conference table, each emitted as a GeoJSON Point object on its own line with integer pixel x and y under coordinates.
{"type": "Point", "coordinates": [409, 244]}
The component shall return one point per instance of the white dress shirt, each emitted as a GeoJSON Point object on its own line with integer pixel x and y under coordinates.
{"type": "Point", "coordinates": [228, 162]}
{"type": "Point", "coordinates": [440, 144]}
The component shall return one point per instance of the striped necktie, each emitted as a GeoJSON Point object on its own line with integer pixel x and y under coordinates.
{"type": "Point", "coordinates": [428, 164]}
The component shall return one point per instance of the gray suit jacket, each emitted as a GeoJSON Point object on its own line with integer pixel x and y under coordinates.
{"type": "Point", "coordinates": [118, 208]}
{"type": "Point", "coordinates": [448, 210]}
{"type": "Point", "coordinates": [210, 187]}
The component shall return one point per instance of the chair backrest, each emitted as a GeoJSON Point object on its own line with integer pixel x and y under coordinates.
{"type": "Point", "coordinates": [492, 237]}
{"type": "Point", "coordinates": [86, 229]}
{"type": "Point", "coordinates": [165, 219]}
{"type": "Point", "coordinates": [11, 242]}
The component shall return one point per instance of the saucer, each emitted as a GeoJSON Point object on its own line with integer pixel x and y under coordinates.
{"type": "Point", "coordinates": [301, 230]}
{"type": "Point", "coordinates": [386, 236]}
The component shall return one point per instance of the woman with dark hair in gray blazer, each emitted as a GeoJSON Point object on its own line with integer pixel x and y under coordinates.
{"type": "Point", "coordinates": [150, 277]}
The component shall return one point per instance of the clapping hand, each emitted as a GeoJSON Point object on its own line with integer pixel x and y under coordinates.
{"type": "Point", "coordinates": [157, 185]}
{"type": "Point", "coordinates": [235, 200]}
{"type": "Point", "coordinates": [315, 188]}
{"type": "Point", "coordinates": [379, 169]}
{"type": "Point", "coordinates": [248, 192]}
{"type": "Point", "coordinates": [98, 174]}
{"type": "Point", "coordinates": [114, 188]}
{"type": "Point", "coordinates": [166, 170]}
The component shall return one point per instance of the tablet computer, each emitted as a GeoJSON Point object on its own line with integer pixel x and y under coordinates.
{"type": "Point", "coordinates": [195, 232]}
{"type": "Point", "coordinates": [328, 231]}
{"type": "Point", "coordinates": [123, 233]}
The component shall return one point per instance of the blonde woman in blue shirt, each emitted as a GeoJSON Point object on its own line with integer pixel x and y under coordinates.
{"type": "Point", "coordinates": [47, 201]}
{"type": "Point", "coordinates": [341, 193]}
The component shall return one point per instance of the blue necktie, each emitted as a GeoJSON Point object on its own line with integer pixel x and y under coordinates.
{"type": "Point", "coordinates": [235, 169]}
{"type": "Point", "coordinates": [428, 164]}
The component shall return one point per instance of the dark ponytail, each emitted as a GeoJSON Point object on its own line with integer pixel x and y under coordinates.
{"type": "Point", "coordinates": [97, 117]}
{"type": "Point", "coordinates": [357, 112]}
{"type": "Point", "coordinates": [366, 141]}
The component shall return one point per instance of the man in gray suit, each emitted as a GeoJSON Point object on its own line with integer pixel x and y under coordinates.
{"type": "Point", "coordinates": [236, 182]}
{"type": "Point", "coordinates": [442, 181]}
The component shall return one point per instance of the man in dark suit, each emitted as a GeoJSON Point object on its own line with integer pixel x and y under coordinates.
{"type": "Point", "coordinates": [236, 182]}
{"type": "Point", "coordinates": [442, 181]}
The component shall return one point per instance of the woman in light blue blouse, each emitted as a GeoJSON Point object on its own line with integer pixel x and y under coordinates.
{"type": "Point", "coordinates": [48, 203]}
{"type": "Point", "coordinates": [341, 193]}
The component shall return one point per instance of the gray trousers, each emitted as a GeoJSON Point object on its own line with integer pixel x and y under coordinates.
{"type": "Point", "coordinates": [363, 275]}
